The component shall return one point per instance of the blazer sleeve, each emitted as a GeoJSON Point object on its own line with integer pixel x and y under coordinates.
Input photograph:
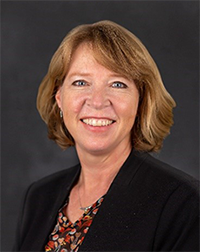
{"type": "Point", "coordinates": [178, 227]}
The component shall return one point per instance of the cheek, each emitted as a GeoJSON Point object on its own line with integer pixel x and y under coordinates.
{"type": "Point", "coordinates": [72, 103]}
{"type": "Point", "coordinates": [128, 107]}
{"type": "Point", "coordinates": [134, 102]}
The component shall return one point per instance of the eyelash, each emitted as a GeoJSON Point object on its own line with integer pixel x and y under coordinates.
{"type": "Point", "coordinates": [122, 85]}
{"type": "Point", "coordinates": [77, 83]}
{"type": "Point", "coordinates": [117, 84]}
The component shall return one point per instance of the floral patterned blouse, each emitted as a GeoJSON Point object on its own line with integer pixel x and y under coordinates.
{"type": "Point", "coordinates": [68, 236]}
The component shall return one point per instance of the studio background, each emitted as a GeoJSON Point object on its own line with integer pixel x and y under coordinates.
{"type": "Point", "coordinates": [30, 34]}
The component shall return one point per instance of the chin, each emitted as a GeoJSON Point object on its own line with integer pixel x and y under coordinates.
{"type": "Point", "coordinates": [97, 149]}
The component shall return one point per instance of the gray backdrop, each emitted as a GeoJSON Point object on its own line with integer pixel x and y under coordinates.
{"type": "Point", "coordinates": [32, 31]}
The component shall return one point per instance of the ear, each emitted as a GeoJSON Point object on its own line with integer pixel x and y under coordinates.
{"type": "Point", "coordinates": [58, 97]}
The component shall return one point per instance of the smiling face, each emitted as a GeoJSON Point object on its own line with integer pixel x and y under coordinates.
{"type": "Point", "coordinates": [99, 106]}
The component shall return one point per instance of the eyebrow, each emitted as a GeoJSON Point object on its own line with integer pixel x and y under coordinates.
{"type": "Point", "coordinates": [78, 74]}
{"type": "Point", "coordinates": [86, 74]}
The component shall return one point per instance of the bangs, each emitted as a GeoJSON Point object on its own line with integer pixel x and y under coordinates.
{"type": "Point", "coordinates": [113, 48]}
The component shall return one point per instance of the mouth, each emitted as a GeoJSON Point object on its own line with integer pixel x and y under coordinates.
{"type": "Point", "coordinates": [97, 122]}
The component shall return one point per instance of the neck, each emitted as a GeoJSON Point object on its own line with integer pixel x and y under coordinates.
{"type": "Point", "coordinates": [98, 171]}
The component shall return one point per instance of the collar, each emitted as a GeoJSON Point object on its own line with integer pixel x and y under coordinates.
{"type": "Point", "coordinates": [130, 167]}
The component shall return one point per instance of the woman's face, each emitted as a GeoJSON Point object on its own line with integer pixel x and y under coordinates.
{"type": "Point", "coordinates": [99, 106]}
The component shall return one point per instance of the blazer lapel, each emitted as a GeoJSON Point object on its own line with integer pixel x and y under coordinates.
{"type": "Point", "coordinates": [110, 217]}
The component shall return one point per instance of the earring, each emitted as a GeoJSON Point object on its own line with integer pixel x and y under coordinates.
{"type": "Point", "coordinates": [61, 114]}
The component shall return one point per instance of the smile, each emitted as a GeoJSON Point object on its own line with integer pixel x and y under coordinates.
{"type": "Point", "coordinates": [97, 122]}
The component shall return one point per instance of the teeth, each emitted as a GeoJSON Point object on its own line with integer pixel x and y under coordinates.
{"type": "Point", "coordinates": [97, 122]}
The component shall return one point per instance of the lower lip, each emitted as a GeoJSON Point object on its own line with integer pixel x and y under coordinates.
{"type": "Point", "coordinates": [97, 128]}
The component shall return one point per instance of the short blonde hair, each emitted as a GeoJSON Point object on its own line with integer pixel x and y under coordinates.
{"type": "Point", "coordinates": [120, 51]}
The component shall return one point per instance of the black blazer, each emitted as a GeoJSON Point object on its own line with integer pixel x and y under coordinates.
{"type": "Point", "coordinates": [150, 206]}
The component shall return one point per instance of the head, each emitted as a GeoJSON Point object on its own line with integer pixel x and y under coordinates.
{"type": "Point", "coordinates": [118, 50]}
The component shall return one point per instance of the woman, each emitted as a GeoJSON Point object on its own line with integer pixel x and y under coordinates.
{"type": "Point", "coordinates": [104, 95]}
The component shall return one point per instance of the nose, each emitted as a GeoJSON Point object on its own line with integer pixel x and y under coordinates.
{"type": "Point", "coordinates": [98, 98]}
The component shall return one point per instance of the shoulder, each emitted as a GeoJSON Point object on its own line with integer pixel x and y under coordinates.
{"type": "Point", "coordinates": [54, 181]}
{"type": "Point", "coordinates": [165, 172]}
{"type": "Point", "coordinates": [159, 176]}
{"type": "Point", "coordinates": [154, 175]}
{"type": "Point", "coordinates": [177, 195]}
{"type": "Point", "coordinates": [42, 201]}
{"type": "Point", "coordinates": [170, 192]}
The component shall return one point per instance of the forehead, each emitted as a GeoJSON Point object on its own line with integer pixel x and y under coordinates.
{"type": "Point", "coordinates": [86, 58]}
{"type": "Point", "coordinates": [83, 53]}
{"type": "Point", "coordinates": [83, 63]}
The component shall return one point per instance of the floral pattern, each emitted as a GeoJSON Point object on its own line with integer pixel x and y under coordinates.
{"type": "Point", "coordinates": [68, 236]}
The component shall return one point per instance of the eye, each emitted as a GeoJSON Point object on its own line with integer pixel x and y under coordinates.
{"type": "Point", "coordinates": [119, 84]}
{"type": "Point", "coordinates": [79, 83]}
